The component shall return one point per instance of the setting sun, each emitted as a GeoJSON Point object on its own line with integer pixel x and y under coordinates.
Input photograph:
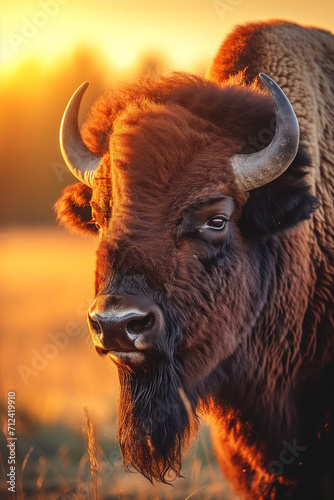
{"type": "Point", "coordinates": [187, 33]}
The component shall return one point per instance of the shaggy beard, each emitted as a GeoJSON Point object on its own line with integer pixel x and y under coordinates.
{"type": "Point", "coordinates": [155, 422]}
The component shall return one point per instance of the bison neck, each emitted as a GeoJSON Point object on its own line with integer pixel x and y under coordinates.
{"type": "Point", "coordinates": [272, 415]}
{"type": "Point", "coordinates": [277, 446]}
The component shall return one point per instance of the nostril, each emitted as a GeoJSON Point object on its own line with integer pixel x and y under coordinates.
{"type": "Point", "coordinates": [96, 325]}
{"type": "Point", "coordinates": [137, 326]}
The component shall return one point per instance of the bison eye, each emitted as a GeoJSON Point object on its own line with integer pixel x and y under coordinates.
{"type": "Point", "coordinates": [218, 223]}
{"type": "Point", "coordinates": [97, 225]}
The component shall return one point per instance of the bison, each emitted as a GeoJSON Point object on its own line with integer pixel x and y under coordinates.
{"type": "Point", "coordinates": [213, 204]}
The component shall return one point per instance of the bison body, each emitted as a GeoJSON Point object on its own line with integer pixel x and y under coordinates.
{"type": "Point", "coordinates": [225, 295]}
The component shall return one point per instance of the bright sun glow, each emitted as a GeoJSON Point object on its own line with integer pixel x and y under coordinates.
{"type": "Point", "coordinates": [185, 32]}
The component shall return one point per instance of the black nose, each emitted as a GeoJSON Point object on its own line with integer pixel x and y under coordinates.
{"type": "Point", "coordinates": [124, 322]}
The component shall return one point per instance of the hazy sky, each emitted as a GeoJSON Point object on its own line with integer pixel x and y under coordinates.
{"type": "Point", "coordinates": [187, 31]}
{"type": "Point", "coordinates": [40, 68]}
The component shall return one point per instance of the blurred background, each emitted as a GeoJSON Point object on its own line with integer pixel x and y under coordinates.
{"type": "Point", "coordinates": [48, 48]}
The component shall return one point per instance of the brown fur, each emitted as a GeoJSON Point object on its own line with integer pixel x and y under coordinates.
{"type": "Point", "coordinates": [249, 316]}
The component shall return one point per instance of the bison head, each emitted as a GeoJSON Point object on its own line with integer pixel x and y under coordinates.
{"type": "Point", "coordinates": [187, 217]}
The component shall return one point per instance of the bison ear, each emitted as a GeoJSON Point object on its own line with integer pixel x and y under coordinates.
{"type": "Point", "coordinates": [73, 208]}
{"type": "Point", "coordinates": [280, 204]}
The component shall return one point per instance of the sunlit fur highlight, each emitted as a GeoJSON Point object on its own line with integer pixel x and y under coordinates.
{"type": "Point", "coordinates": [74, 210]}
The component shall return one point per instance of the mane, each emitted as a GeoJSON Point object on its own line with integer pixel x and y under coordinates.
{"type": "Point", "coordinates": [219, 103]}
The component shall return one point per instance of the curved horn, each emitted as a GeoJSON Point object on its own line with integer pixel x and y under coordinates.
{"type": "Point", "coordinates": [257, 169]}
{"type": "Point", "coordinates": [79, 159]}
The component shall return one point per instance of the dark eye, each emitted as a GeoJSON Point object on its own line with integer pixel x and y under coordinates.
{"type": "Point", "coordinates": [97, 225]}
{"type": "Point", "coordinates": [218, 222]}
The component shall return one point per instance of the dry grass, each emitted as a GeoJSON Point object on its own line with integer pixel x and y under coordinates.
{"type": "Point", "coordinates": [46, 286]}
{"type": "Point", "coordinates": [92, 450]}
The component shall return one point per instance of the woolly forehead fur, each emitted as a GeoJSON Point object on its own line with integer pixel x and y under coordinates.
{"type": "Point", "coordinates": [172, 134]}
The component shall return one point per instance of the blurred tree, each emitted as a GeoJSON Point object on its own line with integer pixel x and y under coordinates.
{"type": "Point", "coordinates": [153, 63]}
{"type": "Point", "coordinates": [33, 101]}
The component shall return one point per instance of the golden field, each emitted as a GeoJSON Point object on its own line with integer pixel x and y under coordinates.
{"type": "Point", "coordinates": [47, 281]}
